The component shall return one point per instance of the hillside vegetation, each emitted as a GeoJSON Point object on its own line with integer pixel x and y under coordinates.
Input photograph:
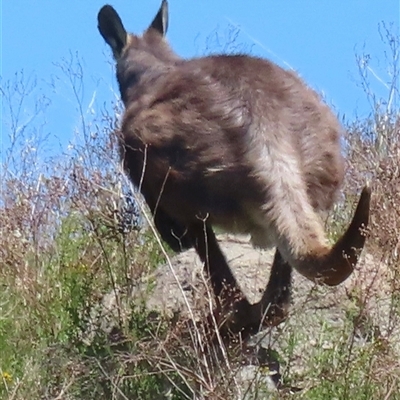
{"type": "Point", "coordinates": [81, 268]}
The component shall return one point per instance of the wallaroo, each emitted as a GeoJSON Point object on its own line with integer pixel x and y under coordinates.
{"type": "Point", "coordinates": [236, 142]}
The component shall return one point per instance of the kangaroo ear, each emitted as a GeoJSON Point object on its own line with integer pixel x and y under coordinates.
{"type": "Point", "coordinates": [112, 29]}
{"type": "Point", "coordinates": [160, 21]}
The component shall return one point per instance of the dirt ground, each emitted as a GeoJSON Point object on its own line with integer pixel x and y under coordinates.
{"type": "Point", "coordinates": [179, 286]}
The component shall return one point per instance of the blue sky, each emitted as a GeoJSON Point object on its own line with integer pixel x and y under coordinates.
{"type": "Point", "coordinates": [317, 38]}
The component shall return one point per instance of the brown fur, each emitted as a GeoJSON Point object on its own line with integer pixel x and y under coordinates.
{"type": "Point", "coordinates": [237, 142]}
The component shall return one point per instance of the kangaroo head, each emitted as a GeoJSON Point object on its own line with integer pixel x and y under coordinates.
{"type": "Point", "coordinates": [136, 55]}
